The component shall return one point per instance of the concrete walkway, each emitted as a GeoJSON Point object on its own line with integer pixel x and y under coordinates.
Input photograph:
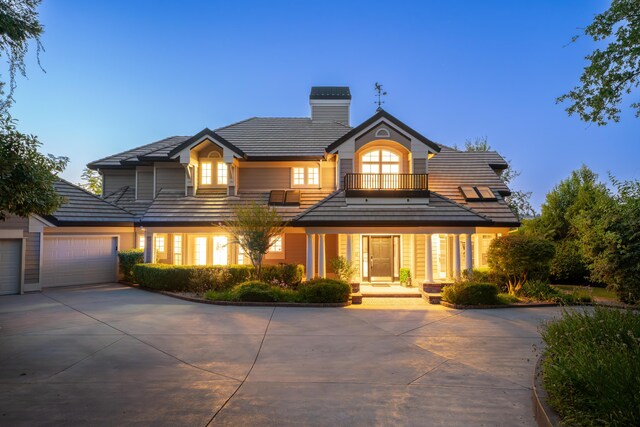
{"type": "Point", "coordinates": [112, 355]}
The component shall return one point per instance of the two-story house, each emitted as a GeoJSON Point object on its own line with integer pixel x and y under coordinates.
{"type": "Point", "coordinates": [380, 194]}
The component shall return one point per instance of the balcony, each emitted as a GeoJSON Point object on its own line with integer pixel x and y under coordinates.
{"type": "Point", "coordinates": [386, 185]}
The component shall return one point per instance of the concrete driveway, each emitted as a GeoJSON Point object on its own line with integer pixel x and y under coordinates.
{"type": "Point", "coordinates": [113, 355]}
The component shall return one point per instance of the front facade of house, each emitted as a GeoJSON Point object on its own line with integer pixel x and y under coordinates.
{"type": "Point", "coordinates": [379, 194]}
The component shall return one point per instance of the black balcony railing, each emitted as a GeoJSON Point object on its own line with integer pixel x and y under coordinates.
{"type": "Point", "coordinates": [386, 184]}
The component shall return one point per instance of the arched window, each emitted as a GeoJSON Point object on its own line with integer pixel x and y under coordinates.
{"type": "Point", "coordinates": [380, 160]}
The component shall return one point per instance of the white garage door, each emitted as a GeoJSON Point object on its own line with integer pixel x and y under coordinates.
{"type": "Point", "coordinates": [78, 260]}
{"type": "Point", "coordinates": [10, 266]}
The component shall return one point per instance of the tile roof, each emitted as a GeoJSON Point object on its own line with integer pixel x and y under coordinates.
{"type": "Point", "coordinates": [214, 207]}
{"type": "Point", "coordinates": [80, 206]}
{"type": "Point", "coordinates": [132, 155]}
{"type": "Point", "coordinates": [440, 211]}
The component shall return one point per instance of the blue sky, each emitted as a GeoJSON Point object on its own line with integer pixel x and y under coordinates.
{"type": "Point", "coordinates": [125, 73]}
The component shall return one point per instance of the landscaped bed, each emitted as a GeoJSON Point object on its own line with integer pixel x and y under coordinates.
{"type": "Point", "coordinates": [591, 367]}
{"type": "Point", "coordinates": [235, 284]}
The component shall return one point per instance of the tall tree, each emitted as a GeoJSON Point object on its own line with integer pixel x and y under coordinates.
{"type": "Point", "coordinates": [518, 201]}
{"type": "Point", "coordinates": [612, 72]}
{"type": "Point", "coordinates": [19, 25]}
{"type": "Point", "coordinates": [26, 175]}
{"type": "Point", "coordinates": [91, 181]}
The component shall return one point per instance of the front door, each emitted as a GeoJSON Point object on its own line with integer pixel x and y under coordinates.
{"type": "Point", "coordinates": [381, 258]}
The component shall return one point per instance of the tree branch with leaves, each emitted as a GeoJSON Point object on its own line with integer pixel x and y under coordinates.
{"type": "Point", "coordinates": [612, 72]}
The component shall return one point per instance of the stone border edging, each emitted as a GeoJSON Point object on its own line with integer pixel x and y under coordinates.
{"type": "Point", "coordinates": [468, 307]}
{"type": "Point", "coordinates": [238, 303]}
{"type": "Point", "coordinates": [544, 414]}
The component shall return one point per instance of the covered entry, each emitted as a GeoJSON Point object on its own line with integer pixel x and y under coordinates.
{"type": "Point", "coordinates": [381, 258]}
{"type": "Point", "coordinates": [79, 260]}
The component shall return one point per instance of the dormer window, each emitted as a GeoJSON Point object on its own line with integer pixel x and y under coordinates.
{"type": "Point", "coordinates": [380, 161]}
{"type": "Point", "coordinates": [305, 177]}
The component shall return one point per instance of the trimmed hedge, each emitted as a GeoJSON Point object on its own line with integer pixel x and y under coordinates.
{"type": "Point", "coordinates": [313, 291]}
{"type": "Point", "coordinates": [202, 278]}
{"type": "Point", "coordinates": [128, 259]}
{"type": "Point", "coordinates": [324, 291]}
{"type": "Point", "coordinates": [465, 293]}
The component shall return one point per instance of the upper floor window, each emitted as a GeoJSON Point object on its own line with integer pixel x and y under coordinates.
{"type": "Point", "coordinates": [222, 173]}
{"type": "Point", "coordinates": [205, 173]}
{"type": "Point", "coordinates": [380, 161]}
{"type": "Point", "coordinates": [306, 176]}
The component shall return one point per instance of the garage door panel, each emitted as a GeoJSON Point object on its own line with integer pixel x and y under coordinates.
{"type": "Point", "coordinates": [78, 260]}
{"type": "Point", "coordinates": [10, 265]}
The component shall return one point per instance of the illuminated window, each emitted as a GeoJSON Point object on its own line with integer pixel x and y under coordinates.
{"type": "Point", "coordinates": [276, 244]}
{"type": "Point", "coordinates": [200, 249]}
{"type": "Point", "coordinates": [380, 161]}
{"type": "Point", "coordinates": [141, 242]}
{"type": "Point", "coordinates": [160, 247]}
{"type": "Point", "coordinates": [220, 250]}
{"type": "Point", "coordinates": [205, 173]}
{"type": "Point", "coordinates": [298, 176]}
{"type": "Point", "coordinates": [222, 173]}
{"type": "Point", "coordinates": [313, 176]}
{"type": "Point", "coordinates": [241, 255]}
{"type": "Point", "coordinates": [177, 249]}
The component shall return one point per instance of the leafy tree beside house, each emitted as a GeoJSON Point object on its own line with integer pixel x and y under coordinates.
{"type": "Point", "coordinates": [254, 228]}
{"type": "Point", "coordinates": [91, 181]}
{"type": "Point", "coordinates": [27, 176]}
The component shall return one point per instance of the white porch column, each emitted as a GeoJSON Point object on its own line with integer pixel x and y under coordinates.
{"type": "Point", "coordinates": [349, 247]}
{"type": "Point", "coordinates": [322, 271]}
{"type": "Point", "coordinates": [468, 265]}
{"type": "Point", "coordinates": [456, 256]}
{"type": "Point", "coordinates": [310, 256]}
{"type": "Point", "coordinates": [428, 259]}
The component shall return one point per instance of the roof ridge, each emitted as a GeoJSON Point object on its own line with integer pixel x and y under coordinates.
{"type": "Point", "coordinates": [135, 148]}
{"type": "Point", "coordinates": [77, 187]}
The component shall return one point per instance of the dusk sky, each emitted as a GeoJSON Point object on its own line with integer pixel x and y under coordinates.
{"type": "Point", "coordinates": [125, 73]}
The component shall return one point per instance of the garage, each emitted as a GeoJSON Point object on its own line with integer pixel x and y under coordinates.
{"type": "Point", "coordinates": [79, 260]}
{"type": "Point", "coordinates": [10, 266]}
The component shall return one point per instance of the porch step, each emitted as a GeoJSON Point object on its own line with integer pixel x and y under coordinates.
{"type": "Point", "coordinates": [432, 298]}
{"type": "Point", "coordinates": [356, 298]}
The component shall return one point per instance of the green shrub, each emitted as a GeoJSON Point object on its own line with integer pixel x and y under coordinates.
{"type": "Point", "coordinates": [591, 367]}
{"type": "Point", "coordinates": [405, 276]}
{"type": "Point", "coordinates": [520, 257]}
{"type": "Point", "coordinates": [283, 275]}
{"type": "Point", "coordinates": [190, 278]}
{"type": "Point", "coordinates": [324, 291]}
{"type": "Point", "coordinates": [539, 290]}
{"type": "Point", "coordinates": [507, 299]}
{"type": "Point", "coordinates": [128, 259]}
{"type": "Point", "coordinates": [163, 277]}
{"type": "Point", "coordinates": [218, 278]}
{"type": "Point", "coordinates": [254, 291]}
{"type": "Point", "coordinates": [568, 264]}
{"type": "Point", "coordinates": [343, 269]}
{"type": "Point", "coordinates": [465, 293]}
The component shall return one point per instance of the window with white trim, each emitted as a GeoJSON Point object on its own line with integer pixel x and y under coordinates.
{"type": "Point", "coordinates": [200, 251]}
{"type": "Point", "coordinates": [205, 173]}
{"type": "Point", "coordinates": [298, 176]}
{"type": "Point", "coordinates": [276, 244]}
{"type": "Point", "coordinates": [309, 176]}
{"type": "Point", "coordinates": [141, 242]}
{"type": "Point", "coordinates": [177, 249]}
{"type": "Point", "coordinates": [160, 244]}
{"type": "Point", "coordinates": [222, 173]}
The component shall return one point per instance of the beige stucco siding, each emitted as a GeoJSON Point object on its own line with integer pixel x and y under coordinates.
{"type": "Point", "coordinates": [115, 179]}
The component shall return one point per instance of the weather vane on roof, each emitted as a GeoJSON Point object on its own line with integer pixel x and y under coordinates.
{"type": "Point", "coordinates": [380, 93]}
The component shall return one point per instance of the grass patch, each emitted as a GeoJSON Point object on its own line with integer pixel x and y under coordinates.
{"type": "Point", "coordinates": [591, 367]}
{"type": "Point", "coordinates": [507, 299]}
{"type": "Point", "coordinates": [588, 290]}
